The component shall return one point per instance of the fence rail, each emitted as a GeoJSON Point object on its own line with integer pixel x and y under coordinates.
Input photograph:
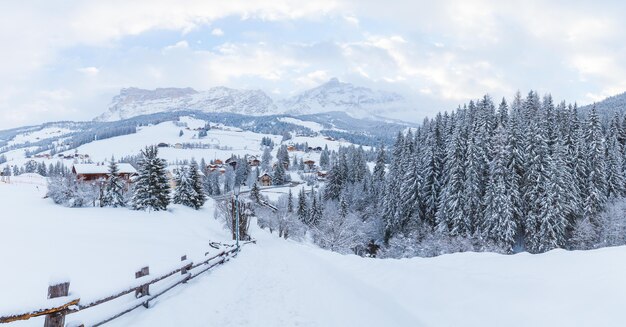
{"type": "Point", "coordinates": [61, 303]}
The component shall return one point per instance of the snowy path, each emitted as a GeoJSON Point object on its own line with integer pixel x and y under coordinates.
{"type": "Point", "coordinates": [275, 283]}
{"type": "Point", "coordinates": [282, 283]}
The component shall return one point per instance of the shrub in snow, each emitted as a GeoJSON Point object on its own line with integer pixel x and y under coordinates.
{"type": "Point", "coordinates": [283, 220]}
{"type": "Point", "coordinates": [339, 230]}
{"type": "Point", "coordinates": [70, 192]}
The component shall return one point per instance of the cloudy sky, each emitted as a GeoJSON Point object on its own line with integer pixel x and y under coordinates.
{"type": "Point", "coordinates": [65, 59]}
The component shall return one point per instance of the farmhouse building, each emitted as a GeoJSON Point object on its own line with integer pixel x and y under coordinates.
{"type": "Point", "coordinates": [265, 179]}
{"type": "Point", "coordinates": [92, 172]}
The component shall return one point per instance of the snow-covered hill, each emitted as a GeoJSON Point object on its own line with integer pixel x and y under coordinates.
{"type": "Point", "coordinates": [330, 96]}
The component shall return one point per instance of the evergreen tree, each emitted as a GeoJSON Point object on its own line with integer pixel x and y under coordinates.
{"type": "Point", "coordinates": [184, 193]}
{"type": "Point", "coordinates": [255, 193]}
{"type": "Point", "coordinates": [325, 158]}
{"type": "Point", "coordinates": [151, 187]}
{"type": "Point", "coordinates": [114, 188]}
{"type": "Point", "coordinates": [596, 169]}
{"type": "Point", "coordinates": [499, 223]}
{"type": "Point", "coordinates": [279, 177]}
{"type": "Point", "coordinates": [266, 159]}
{"type": "Point", "coordinates": [196, 181]}
{"type": "Point", "coordinates": [303, 211]}
{"type": "Point", "coordinates": [290, 202]}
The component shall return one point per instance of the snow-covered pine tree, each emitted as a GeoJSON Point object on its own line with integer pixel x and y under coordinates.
{"type": "Point", "coordinates": [266, 159]}
{"type": "Point", "coordinates": [303, 208]}
{"type": "Point", "coordinates": [290, 202]}
{"type": "Point", "coordinates": [552, 223]}
{"type": "Point", "coordinates": [315, 211]}
{"type": "Point", "coordinates": [255, 193]}
{"type": "Point", "coordinates": [334, 183]}
{"type": "Point", "coordinates": [196, 180]}
{"type": "Point", "coordinates": [113, 195]}
{"type": "Point", "coordinates": [325, 158]}
{"type": "Point", "coordinates": [151, 187]}
{"type": "Point", "coordinates": [596, 167]}
{"type": "Point", "coordinates": [499, 219]}
{"type": "Point", "coordinates": [184, 192]}
{"type": "Point", "coordinates": [615, 180]}
{"type": "Point", "coordinates": [279, 174]}
{"type": "Point", "coordinates": [391, 197]}
{"type": "Point", "coordinates": [450, 206]}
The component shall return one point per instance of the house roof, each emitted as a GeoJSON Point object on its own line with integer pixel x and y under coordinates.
{"type": "Point", "coordinates": [124, 168]}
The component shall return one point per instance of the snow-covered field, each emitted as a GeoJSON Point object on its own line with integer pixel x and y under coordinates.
{"type": "Point", "coordinates": [223, 141]}
{"type": "Point", "coordinates": [285, 283]}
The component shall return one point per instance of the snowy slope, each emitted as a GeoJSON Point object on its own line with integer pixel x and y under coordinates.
{"type": "Point", "coordinates": [282, 283]}
{"type": "Point", "coordinates": [222, 141]}
{"type": "Point", "coordinates": [285, 283]}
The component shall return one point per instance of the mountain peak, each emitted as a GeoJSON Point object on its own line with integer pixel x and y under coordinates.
{"type": "Point", "coordinates": [333, 81]}
{"type": "Point", "coordinates": [333, 95]}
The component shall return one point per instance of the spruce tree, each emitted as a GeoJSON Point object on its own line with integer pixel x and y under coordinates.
{"type": "Point", "coordinates": [290, 202]}
{"type": "Point", "coordinates": [499, 219]}
{"type": "Point", "coordinates": [279, 174]}
{"type": "Point", "coordinates": [596, 168]}
{"type": "Point", "coordinates": [114, 188]}
{"type": "Point", "coordinates": [255, 193]}
{"type": "Point", "coordinates": [151, 187]}
{"type": "Point", "coordinates": [197, 184]}
{"type": "Point", "coordinates": [303, 211]}
{"type": "Point", "coordinates": [184, 193]}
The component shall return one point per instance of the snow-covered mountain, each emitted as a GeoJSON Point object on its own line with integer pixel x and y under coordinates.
{"type": "Point", "coordinates": [330, 96]}
{"type": "Point", "coordinates": [338, 96]}
{"type": "Point", "coordinates": [133, 102]}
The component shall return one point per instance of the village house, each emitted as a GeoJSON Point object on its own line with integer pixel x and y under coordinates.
{"type": "Point", "coordinates": [265, 179]}
{"type": "Point", "coordinates": [95, 172]}
{"type": "Point", "coordinates": [253, 161]}
{"type": "Point", "coordinates": [291, 148]}
{"type": "Point", "coordinates": [321, 175]}
{"type": "Point", "coordinates": [310, 164]}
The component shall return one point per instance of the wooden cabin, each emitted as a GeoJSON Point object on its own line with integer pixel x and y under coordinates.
{"type": "Point", "coordinates": [94, 172]}
{"type": "Point", "coordinates": [253, 161]}
{"type": "Point", "coordinates": [310, 164]}
{"type": "Point", "coordinates": [291, 148]}
{"type": "Point", "coordinates": [265, 179]}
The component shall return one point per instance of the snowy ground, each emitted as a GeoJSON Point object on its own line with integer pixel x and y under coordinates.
{"type": "Point", "coordinates": [223, 140]}
{"type": "Point", "coordinates": [285, 283]}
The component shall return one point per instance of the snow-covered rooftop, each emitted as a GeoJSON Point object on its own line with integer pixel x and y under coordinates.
{"type": "Point", "coordinates": [124, 168]}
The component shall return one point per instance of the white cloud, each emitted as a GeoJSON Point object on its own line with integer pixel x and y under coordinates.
{"type": "Point", "coordinates": [89, 70]}
{"type": "Point", "coordinates": [444, 52]}
{"type": "Point", "coordinates": [351, 19]}
{"type": "Point", "coordinates": [179, 45]}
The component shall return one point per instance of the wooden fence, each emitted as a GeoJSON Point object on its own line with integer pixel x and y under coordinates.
{"type": "Point", "coordinates": [61, 303]}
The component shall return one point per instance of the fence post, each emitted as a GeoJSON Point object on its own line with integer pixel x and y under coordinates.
{"type": "Point", "coordinates": [183, 270]}
{"type": "Point", "coordinates": [57, 319]}
{"type": "Point", "coordinates": [143, 290]}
